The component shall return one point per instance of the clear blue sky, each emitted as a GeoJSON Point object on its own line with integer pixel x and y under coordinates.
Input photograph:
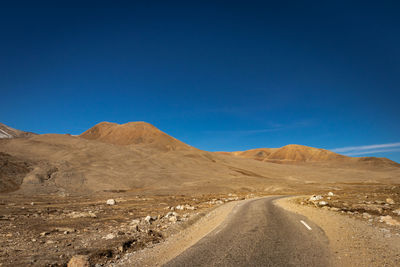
{"type": "Point", "coordinates": [231, 75]}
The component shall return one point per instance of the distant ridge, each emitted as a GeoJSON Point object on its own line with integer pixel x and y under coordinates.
{"type": "Point", "coordinates": [300, 153]}
{"type": "Point", "coordinates": [133, 133]}
{"type": "Point", "coordinates": [8, 132]}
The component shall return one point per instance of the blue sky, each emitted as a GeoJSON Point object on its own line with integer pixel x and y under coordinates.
{"type": "Point", "coordinates": [218, 75]}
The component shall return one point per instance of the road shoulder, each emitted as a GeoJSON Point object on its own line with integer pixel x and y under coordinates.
{"type": "Point", "coordinates": [353, 242]}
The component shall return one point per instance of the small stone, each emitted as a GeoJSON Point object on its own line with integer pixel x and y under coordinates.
{"type": "Point", "coordinates": [322, 203]}
{"type": "Point", "coordinates": [397, 212]}
{"type": "Point", "coordinates": [330, 194]}
{"type": "Point", "coordinates": [109, 236]}
{"type": "Point", "coordinates": [366, 215]}
{"type": "Point", "coordinates": [315, 198]}
{"type": "Point", "coordinates": [334, 209]}
{"type": "Point", "coordinates": [111, 202]}
{"type": "Point", "coordinates": [44, 233]}
{"type": "Point", "coordinates": [79, 261]}
{"type": "Point", "coordinates": [173, 219]}
{"type": "Point", "coordinates": [148, 219]}
{"type": "Point", "coordinates": [390, 201]}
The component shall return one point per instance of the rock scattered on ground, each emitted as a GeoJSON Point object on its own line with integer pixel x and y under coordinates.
{"type": "Point", "coordinates": [111, 202]}
{"type": "Point", "coordinates": [79, 261]}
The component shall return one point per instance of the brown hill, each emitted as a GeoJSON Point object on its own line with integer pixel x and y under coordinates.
{"type": "Point", "coordinates": [133, 133]}
{"type": "Point", "coordinates": [8, 132]}
{"type": "Point", "coordinates": [139, 158]}
{"type": "Point", "coordinates": [67, 164]}
{"type": "Point", "coordinates": [299, 154]}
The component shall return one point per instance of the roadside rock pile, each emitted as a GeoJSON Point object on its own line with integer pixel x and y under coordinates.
{"type": "Point", "coordinates": [373, 209]}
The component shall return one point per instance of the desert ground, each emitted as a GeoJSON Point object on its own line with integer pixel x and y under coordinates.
{"type": "Point", "coordinates": [118, 191]}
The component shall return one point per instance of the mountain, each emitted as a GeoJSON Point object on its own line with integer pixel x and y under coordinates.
{"type": "Point", "coordinates": [138, 158]}
{"type": "Point", "coordinates": [8, 132]}
{"type": "Point", "coordinates": [133, 133]}
{"type": "Point", "coordinates": [299, 154]}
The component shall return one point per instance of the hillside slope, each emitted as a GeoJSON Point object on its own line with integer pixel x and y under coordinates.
{"type": "Point", "coordinates": [139, 158]}
{"type": "Point", "coordinates": [8, 132]}
{"type": "Point", "coordinates": [303, 154]}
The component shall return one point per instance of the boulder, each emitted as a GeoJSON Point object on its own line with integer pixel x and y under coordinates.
{"type": "Point", "coordinates": [79, 261]}
{"type": "Point", "coordinates": [111, 202]}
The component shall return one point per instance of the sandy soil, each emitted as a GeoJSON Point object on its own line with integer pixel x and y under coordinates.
{"type": "Point", "coordinates": [353, 242]}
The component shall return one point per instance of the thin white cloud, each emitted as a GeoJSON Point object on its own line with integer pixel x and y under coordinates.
{"type": "Point", "coordinates": [274, 128]}
{"type": "Point", "coordinates": [369, 149]}
{"type": "Point", "coordinates": [356, 149]}
{"type": "Point", "coordinates": [373, 152]}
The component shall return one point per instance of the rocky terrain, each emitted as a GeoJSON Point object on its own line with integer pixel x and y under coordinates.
{"type": "Point", "coordinates": [50, 231]}
{"type": "Point", "coordinates": [379, 205]}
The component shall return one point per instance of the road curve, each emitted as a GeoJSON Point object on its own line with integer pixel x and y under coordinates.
{"type": "Point", "coordinates": [259, 233]}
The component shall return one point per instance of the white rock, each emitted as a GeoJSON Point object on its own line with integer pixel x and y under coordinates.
{"type": "Point", "coordinates": [389, 220]}
{"type": "Point", "coordinates": [397, 212]}
{"type": "Point", "coordinates": [111, 202]}
{"type": "Point", "coordinates": [315, 198]}
{"type": "Point", "coordinates": [322, 203]}
{"type": "Point", "coordinates": [109, 236]}
{"type": "Point", "coordinates": [148, 219]}
{"type": "Point", "coordinates": [330, 194]}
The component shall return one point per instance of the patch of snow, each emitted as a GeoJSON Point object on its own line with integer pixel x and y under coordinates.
{"type": "Point", "coordinates": [4, 134]}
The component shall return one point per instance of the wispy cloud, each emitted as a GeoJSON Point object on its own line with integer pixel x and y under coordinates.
{"type": "Point", "coordinates": [274, 128]}
{"type": "Point", "coordinates": [369, 149]}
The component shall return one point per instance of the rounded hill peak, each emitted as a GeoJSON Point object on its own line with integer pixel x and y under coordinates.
{"type": "Point", "coordinates": [133, 133]}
